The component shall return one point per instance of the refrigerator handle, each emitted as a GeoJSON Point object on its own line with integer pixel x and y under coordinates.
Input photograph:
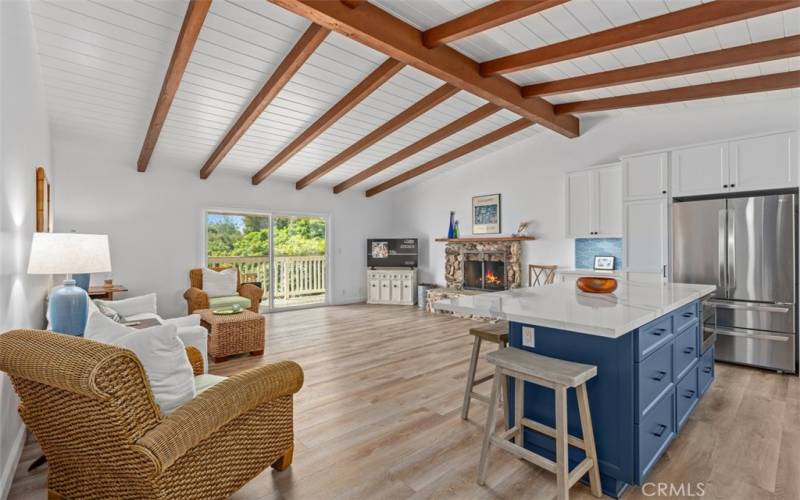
{"type": "Point", "coordinates": [731, 249]}
{"type": "Point", "coordinates": [721, 251]}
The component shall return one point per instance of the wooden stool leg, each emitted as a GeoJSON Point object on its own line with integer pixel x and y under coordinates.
{"type": "Point", "coordinates": [562, 446]}
{"type": "Point", "coordinates": [519, 406]}
{"type": "Point", "coordinates": [473, 363]}
{"type": "Point", "coordinates": [491, 421]}
{"type": "Point", "coordinates": [588, 439]}
{"type": "Point", "coordinates": [506, 410]}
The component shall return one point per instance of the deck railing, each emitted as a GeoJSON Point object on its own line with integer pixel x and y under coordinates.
{"type": "Point", "coordinates": [295, 276]}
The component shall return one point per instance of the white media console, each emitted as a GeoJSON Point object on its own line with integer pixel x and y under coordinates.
{"type": "Point", "coordinates": [392, 285]}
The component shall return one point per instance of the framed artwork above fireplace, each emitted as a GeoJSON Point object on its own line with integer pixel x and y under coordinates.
{"type": "Point", "coordinates": [486, 214]}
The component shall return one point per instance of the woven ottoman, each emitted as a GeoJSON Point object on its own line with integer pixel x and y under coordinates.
{"type": "Point", "coordinates": [233, 334]}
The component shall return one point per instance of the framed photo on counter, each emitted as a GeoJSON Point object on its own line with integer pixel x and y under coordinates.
{"type": "Point", "coordinates": [604, 262]}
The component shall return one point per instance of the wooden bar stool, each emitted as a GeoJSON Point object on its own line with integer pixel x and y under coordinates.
{"type": "Point", "coordinates": [558, 375]}
{"type": "Point", "coordinates": [496, 333]}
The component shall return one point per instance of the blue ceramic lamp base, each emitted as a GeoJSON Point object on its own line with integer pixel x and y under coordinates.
{"type": "Point", "coordinates": [68, 307]}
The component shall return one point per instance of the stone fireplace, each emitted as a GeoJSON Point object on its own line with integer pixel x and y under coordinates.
{"type": "Point", "coordinates": [491, 264]}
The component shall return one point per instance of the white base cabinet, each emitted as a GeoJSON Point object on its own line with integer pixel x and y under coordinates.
{"type": "Point", "coordinates": [392, 286]}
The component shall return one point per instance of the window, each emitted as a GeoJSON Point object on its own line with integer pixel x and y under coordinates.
{"type": "Point", "coordinates": [284, 254]}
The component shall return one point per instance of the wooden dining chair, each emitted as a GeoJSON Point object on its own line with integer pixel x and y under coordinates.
{"type": "Point", "coordinates": [539, 275]}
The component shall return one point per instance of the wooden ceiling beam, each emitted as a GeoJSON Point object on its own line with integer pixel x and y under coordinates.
{"type": "Point", "coordinates": [385, 33]}
{"type": "Point", "coordinates": [190, 30]}
{"type": "Point", "coordinates": [407, 115]}
{"type": "Point", "coordinates": [301, 51]}
{"type": "Point", "coordinates": [439, 135]}
{"type": "Point", "coordinates": [458, 152]}
{"type": "Point", "coordinates": [368, 85]}
{"type": "Point", "coordinates": [776, 81]}
{"type": "Point", "coordinates": [726, 58]}
{"type": "Point", "coordinates": [681, 21]}
{"type": "Point", "coordinates": [485, 18]}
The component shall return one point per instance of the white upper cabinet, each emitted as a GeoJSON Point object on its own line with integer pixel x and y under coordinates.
{"type": "Point", "coordinates": [645, 177]}
{"type": "Point", "coordinates": [765, 162]}
{"type": "Point", "coordinates": [608, 182]}
{"type": "Point", "coordinates": [700, 170]}
{"type": "Point", "coordinates": [755, 163]}
{"type": "Point", "coordinates": [594, 203]}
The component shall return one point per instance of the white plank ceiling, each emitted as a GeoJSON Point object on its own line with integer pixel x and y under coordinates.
{"type": "Point", "coordinates": [103, 63]}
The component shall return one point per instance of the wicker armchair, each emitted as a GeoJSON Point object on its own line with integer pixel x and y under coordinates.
{"type": "Point", "coordinates": [91, 409]}
{"type": "Point", "coordinates": [196, 298]}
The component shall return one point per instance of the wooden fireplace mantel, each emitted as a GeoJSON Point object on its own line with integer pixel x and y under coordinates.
{"type": "Point", "coordinates": [485, 239]}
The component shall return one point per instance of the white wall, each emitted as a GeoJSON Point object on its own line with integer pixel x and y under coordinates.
{"type": "Point", "coordinates": [24, 144]}
{"type": "Point", "coordinates": [155, 219]}
{"type": "Point", "coordinates": [529, 174]}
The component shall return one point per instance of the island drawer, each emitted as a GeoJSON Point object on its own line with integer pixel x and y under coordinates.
{"type": "Point", "coordinates": [653, 335]}
{"type": "Point", "coordinates": [686, 395]}
{"type": "Point", "coordinates": [655, 432]}
{"type": "Point", "coordinates": [655, 379]}
{"type": "Point", "coordinates": [684, 316]}
{"type": "Point", "coordinates": [686, 350]}
{"type": "Point", "coordinates": [705, 371]}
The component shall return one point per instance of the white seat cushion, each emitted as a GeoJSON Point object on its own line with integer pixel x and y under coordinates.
{"type": "Point", "coordinates": [161, 353]}
{"type": "Point", "coordinates": [203, 382]}
{"type": "Point", "coordinates": [220, 283]}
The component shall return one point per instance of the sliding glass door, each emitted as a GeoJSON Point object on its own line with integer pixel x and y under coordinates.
{"type": "Point", "coordinates": [284, 254]}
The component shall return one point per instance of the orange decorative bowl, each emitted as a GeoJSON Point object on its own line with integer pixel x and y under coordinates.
{"type": "Point", "coordinates": [594, 284]}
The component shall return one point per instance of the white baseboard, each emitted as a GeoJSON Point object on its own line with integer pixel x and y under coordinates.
{"type": "Point", "coordinates": [350, 300]}
{"type": "Point", "coordinates": [10, 469]}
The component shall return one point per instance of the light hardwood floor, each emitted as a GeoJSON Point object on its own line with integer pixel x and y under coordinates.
{"type": "Point", "coordinates": [378, 417]}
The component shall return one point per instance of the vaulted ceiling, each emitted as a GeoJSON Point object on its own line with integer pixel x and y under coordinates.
{"type": "Point", "coordinates": [256, 86]}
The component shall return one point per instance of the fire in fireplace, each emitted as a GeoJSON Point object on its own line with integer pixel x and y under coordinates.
{"type": "Point", "coordinates": [485, 274]}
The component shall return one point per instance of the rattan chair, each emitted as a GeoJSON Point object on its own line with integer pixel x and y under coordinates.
{"type": "Point", "coordinates": [196, 298]}
{"type": "Point", "coordinates": [539, 275]}
{"type": "Point", "coordinates": [90, 407]}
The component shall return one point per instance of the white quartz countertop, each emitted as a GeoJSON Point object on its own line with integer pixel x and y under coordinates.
{"type": "Point", "coordinates": [588, 272]}
{"type": "Point", "coordinates": [565, 307]}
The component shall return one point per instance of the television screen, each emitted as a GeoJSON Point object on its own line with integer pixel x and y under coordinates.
{"type": "Point", "coordinates": [400, 252]}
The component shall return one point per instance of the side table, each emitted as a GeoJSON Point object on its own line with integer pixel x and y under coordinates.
{"type": "Point", "coordinates": [233, 334]}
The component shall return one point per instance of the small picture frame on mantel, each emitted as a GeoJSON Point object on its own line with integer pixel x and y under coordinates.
{"type": "Point", "coordinates": [604, 262]}
{"type": "Point", "coordinates": [486, 214]}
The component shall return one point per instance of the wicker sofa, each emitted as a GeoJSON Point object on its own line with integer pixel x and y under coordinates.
{"type": "Point", "coordinates": [196, 298]}
{"type": "Point", "coordinates": [90, 407]}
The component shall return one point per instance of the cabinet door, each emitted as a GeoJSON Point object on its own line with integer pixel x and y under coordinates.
{"type": "Point", "coordinates": [608, 195]}
{"type": "Point", "coordinates": [765, 162]}
{"type": "Point", "coordinates": [645, 177]}
{"type": "Point", "coordinates": [645, 237]}
{"type": "Point", "coordinates": [700, 170]}
{"type": "Point", "coordinates": [374, 290]}
{"type": "Point", "coordinates": [385, 291]}
{"type": "Point", "coordinates": [407, 292]}
{"type": "Point", "coordinates": [396, 295]}
{"type": "Point", "coordinates": [579, 204]}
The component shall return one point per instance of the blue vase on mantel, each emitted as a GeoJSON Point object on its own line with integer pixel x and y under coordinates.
{"type": "Point", "coordinates": [451, 232]}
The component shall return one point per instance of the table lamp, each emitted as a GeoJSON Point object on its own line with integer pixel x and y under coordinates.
{"type": "Point", "coordinates": [68, 253]}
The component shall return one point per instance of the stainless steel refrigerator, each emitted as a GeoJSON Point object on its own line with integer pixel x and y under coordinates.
{"type": "Point", "coordinates": [747, 247]}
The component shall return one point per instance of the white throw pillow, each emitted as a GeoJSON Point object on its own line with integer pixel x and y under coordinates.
{"type": "Point", "coordinates": [133, 305]}
{"type": "Point", "coordinates": [161, 353]}
{"type": "Point", "coordinates": [219, 283]}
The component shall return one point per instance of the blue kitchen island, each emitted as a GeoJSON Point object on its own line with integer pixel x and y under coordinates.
{"type": "Point", "coordinates": [645, 340]}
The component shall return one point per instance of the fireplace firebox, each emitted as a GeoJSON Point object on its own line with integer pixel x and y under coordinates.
{"type": "Point", "coordinates": [485, 275]}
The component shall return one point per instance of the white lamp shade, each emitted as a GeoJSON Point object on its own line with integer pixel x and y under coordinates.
{"type": "Point", "coordinates": [69, 253]}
